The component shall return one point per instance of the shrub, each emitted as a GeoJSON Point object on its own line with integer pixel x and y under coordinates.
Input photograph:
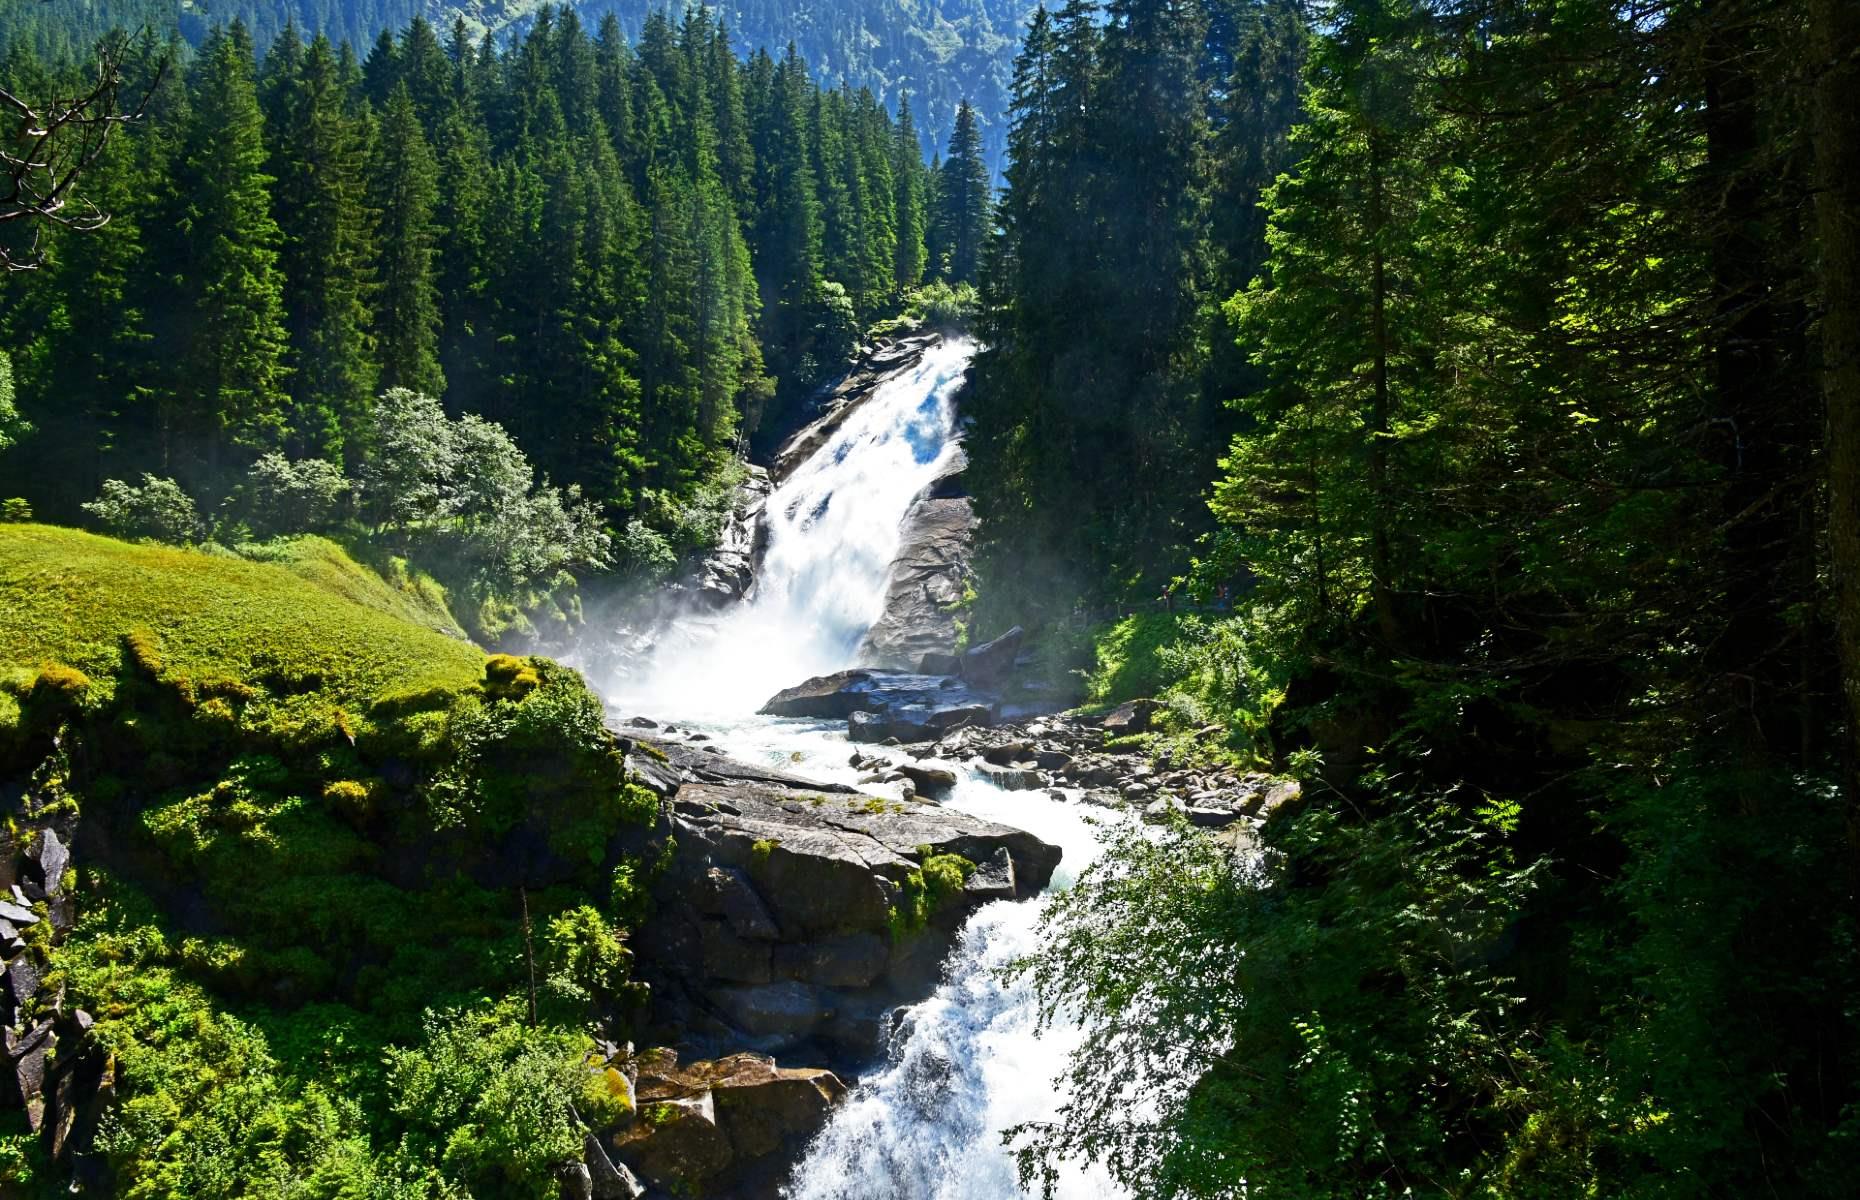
{"type": "Point", "coordinates": [280, 496]}
{"type": "Point", "coordinates": [942, 305]}
{"type": "Point", "coordinates": [16, 510]}
{"type": "Point", "coordinates": [12, 425]}
{"type": "Point", "coordinates": [55, 680]}
{"type": "Point", "coordinates": [157, 509]}
{"type": "Point", "coordinates": [508, 677]}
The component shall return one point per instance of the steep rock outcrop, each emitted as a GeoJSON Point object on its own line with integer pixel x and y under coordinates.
{"type": "Point", "coordinates": [778, 924]}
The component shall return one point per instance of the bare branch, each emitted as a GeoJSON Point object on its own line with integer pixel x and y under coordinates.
{"type": "Point", "coordinates": [55, 143]}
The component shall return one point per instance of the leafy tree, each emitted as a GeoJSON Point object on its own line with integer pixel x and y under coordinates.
{"type": "Point", "coordinates": [158, 508]}
{"type": "Point", "coordinates": [280, 496]}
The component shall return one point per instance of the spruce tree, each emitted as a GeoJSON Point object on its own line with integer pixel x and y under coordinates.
{"type": "Point", "coordinates": [405, 186]}
{"type": "Point", "coordinates": [328, 251]}
{"type": "Point", "coordinates": [230, 386]}
{"type": "Point", "coordinates": [907, 172]}
{"type": "Point", "coordinates": [963, 199]}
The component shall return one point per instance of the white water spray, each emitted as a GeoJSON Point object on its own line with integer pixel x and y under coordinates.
{"type": "Point", "coordinates": [834, 527]}
{"type": "Point", "coordinates": [967, 1063]}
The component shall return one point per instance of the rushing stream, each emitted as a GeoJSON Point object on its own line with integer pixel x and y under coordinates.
{"type": "Point", "coordinates": [926, 1122]}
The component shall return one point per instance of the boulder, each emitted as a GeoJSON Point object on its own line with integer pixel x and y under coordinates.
{"type": "Point", "coordinates": [676, 1143]}
{"type": "Point", "coordinates": [931, 781]}
{"type": "Point", "coordinates": [709, 1125]}
{"type": "Point", "coordinates": [1132, 716]}
{"type": "Point", "coordinates": [1011, 779]}
{"type": "Point", "coordinates": [993, 877]}
{"type": "Point", "coordinates": [47, 860]}
{"type": "Point", "coordinates": [935, 663]}
{"type": "Point", "coordinates": [991, 662]}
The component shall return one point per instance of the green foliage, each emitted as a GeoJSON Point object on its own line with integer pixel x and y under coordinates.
{"type": "Point", "coordinates": [278, 782]}
{"type": "Point", "coordinates": [284, 497]}
{"type": "Point", "coordinates": [157, 509]}
{"type": "Point", "coordinates": [486, 1100]}
{"type": "Point", "coordinates": [938, 879]}
{"type": "Point", "coordinates": [15, 511]}
{"type": "Point", "coordinates": [12, 426]}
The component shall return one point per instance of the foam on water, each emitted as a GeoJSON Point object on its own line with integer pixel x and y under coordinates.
{"type": "Point", "coordinates": [968, 1063]}
{"type": "Point", "coordinates": [834, 526]}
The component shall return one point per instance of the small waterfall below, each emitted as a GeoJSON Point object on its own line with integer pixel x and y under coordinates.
{"type": "Point", "coordinates": [965, 1064]}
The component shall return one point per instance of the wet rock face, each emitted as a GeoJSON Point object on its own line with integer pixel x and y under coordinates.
{"type": "Point", "coordinates": [776, 927]}
{"type": "Point", "coordinates": [881, 704]}
{"type": "Point", "coordinates": [724, 1127]}
{"type": "Point", "coordinates": [844, 399]}
{"type": "Point", "coordinates": [925, 584]}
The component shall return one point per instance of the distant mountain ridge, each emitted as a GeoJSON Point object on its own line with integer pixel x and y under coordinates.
{"type": "Point", "coordinates": [940, 51]}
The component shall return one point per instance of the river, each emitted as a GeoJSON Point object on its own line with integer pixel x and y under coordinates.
{"type": "Point", "coordinates": [926, 1121]}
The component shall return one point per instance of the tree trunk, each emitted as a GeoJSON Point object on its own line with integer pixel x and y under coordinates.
{"type": "Point", "coordinates": [1381, 563]}
{"type": "Point", "coordinates": [1835, 128]}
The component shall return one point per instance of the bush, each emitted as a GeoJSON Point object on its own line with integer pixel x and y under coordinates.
{"type": "Point", "coordinates": [157, 509]}
{"type": "Point", "coordinates": [942, 305]}
{"type": "Point", "coordinates": [15, 510]}
{"type": "Point", "coordinates": [281, 496]}
{"type": "Point", "coordinates": [12, 425]}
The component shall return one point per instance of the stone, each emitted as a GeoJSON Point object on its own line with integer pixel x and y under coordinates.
{"type": "Point", "coordinates": [1210, 816]}
{"type": "Point", "coordinates": [18, 914]}
{"type": "Point", "coordinates": [992, 661]}
{"type": "Point", "coordinates": [761, 1106]}
{"type": "Point", "coordinates": [934, 663]}
{"type": "Point", "coordinates": [1160, 812]}
{"type": "Point", "coordinates": [1132, 716]}
{"type": "Point", "coordinates": [607, 1179]}
{"type": "Point", "coordinates": [21, 979]}
{"type": "Point", "coordinates": [1011, 779]}
{"type": "Point", "coordinates": [993, 877]}
{"type": "Point", "coordinates": [643, 723]}
{"type": "Point", "coordinates": [48, 859]}
{"type": "Point", "coordinates": [1284, 792]}
{"type": "Point", "coordinates": [932, 781]}
{"type": "Point", "coordinates": [854, 960]}
{"type": "Point", "coordinates": [676, 1143]}
{"type": "Point", "coordinates": [573, 1182]}
{"type": "Point", "coordinates": [788, 1009]}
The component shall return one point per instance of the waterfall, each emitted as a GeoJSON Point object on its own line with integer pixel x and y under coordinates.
{"type": "Point", "coordinates": [965, 1064]}
{"type": "Point", "coordinates": [925, 1123]}
{"type": "Point", "coordinates": [833, 528]}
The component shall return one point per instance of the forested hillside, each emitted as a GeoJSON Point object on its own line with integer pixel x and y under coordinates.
{"type": "Point", "coordinates": [940, 52]}
{"type": "Point", "coordinates": [1501, 486]}
{"type": "Point", "coordinates": [619, 259]}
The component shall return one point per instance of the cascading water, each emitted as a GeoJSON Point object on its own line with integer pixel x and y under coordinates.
{"type": "Point", "coordinates": [834, 527]}
{"type": "Point", "coordinates": [967, 1063]}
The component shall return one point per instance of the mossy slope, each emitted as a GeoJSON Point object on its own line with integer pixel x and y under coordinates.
{"type": "Point", "coordinates": [315, 838]}
{"type": "Point", "coordinates": [323, 621]}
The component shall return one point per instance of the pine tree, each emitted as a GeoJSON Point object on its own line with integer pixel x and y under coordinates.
{"type": "Point", "coordinates": [321, 205]}
{"type": "Point", "coordinates": [230, 385]}
{"type": "Point", "coordinates": [963, 199]}
{"type": "Point", "coordinates": [405, 185]}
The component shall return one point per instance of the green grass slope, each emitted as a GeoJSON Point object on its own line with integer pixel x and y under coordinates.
{"type": "Point", "coordinates": [315, 618]}
{"type": "Point", "coordinates": [327, 862]}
